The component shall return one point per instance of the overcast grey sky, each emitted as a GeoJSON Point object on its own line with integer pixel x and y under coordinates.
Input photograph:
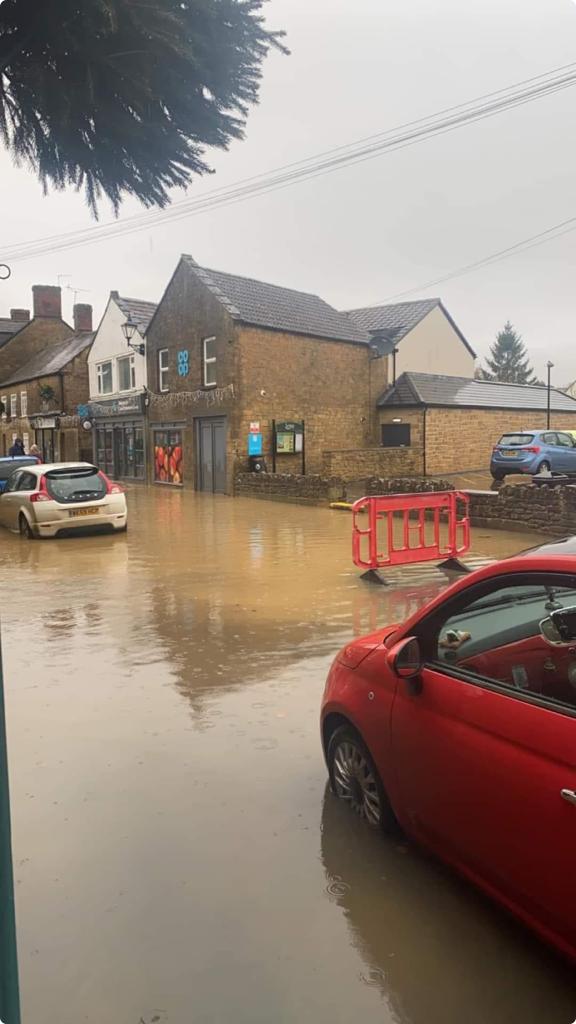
{"type": "Point", "coordinates": [362, 234]}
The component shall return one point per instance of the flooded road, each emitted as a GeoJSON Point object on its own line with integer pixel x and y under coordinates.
{"type": "Point", "coordinates": [178, 859]}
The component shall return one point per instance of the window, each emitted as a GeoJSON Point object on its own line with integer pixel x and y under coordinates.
{"type": "Point", "coordinates": [565, 441]}
{"type": "Point", "coordinates": [520, 439]}
{"type": "Point", "coordinates": [209, 362]}
{"type": "Point", "coordinates": [4, 401]}
{"type": "Point", "coordinates": [26, 441]}
{"type": "Point", "coordinates": [126, 373]}
{"type": "Point", "coordinates": [395, 435]}
{"type": "Point", "coordinates": [496, 637]}
{"type": "Point", "coordinates": [168, 460]}
{"type": "Point", "coordinates": [13, 405]}
{"type": "Point", "coordinates": [23, 403]}
{"type": "Point", "coordinates": [26, 482]}
{"type": "Point", "coordinates": [104, 374]}
{"type": "Point", "coordinates": [163, 369]}
{"type": "Point", "coordinates": [75, 486]}
{"type": "Point", "coordinates": [550, 439]}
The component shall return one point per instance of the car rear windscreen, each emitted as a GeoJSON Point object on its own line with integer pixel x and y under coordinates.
{"type": "Point", "coordinates": [75, 486]}
{"type": "Point", "coordinates": [516, 439]}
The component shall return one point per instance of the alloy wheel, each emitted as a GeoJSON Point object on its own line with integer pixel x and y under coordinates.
{"type": "Point", "coordinates": [355, 782]}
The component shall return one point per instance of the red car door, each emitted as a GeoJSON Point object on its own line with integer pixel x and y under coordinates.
{"type": "Point", "coordinates": [485, 749]}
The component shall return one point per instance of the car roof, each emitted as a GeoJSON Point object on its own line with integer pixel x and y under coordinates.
{"type": "Point", "coordinates": [18, 458]}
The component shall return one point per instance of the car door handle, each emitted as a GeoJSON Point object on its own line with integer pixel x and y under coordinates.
{"type": "Point", "coordinates": [569, 795]}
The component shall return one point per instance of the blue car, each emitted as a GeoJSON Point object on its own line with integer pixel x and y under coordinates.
{"type": "Point", "coordinates": [534, 451]}
{"type": "Point", "coordinates": [9, 463]}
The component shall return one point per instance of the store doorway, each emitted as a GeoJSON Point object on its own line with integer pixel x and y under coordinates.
{"type": "Point", "coordinates": [211, 450]}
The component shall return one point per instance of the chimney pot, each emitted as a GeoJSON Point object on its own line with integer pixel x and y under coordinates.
{"type": "Point", "coordinates": [114, 295]}
{"type": "Point", "coordinates": [20, 316]}
{"type": "Point", "coordinates": [47, 301]}
{"type": "Point", "coordinates": [82, 317]}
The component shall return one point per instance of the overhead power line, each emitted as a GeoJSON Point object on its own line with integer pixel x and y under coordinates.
{"type": "Point", "coordinates": [532, 242]}
{"type": "Point", "coordinates": [368, 148]}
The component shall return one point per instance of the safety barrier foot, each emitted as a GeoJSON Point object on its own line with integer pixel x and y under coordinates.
{"type": "Point", "coordinates": [373, 576]}
{"type": "Point", "coordinates": [454, 565]}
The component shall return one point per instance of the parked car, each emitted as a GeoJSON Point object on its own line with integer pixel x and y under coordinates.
{"type": "Point", "coordinates": [45, 500]}
{"type": "Point", "coordinates": [534, 451]}
{"type": "Point", "coordinates": [460, 725]}
{"type": "Point", "coordinates": [9, 463]}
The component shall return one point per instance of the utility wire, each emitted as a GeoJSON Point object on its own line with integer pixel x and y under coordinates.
{"type": "Point", "coordinates": [532, 242]}
{"type": "Point", "coordinates": [368, 148]}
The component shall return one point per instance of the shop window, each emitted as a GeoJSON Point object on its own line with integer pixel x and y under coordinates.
{"type": "Point", "coordinates": [126, 373]}
{"type": "Point", "coordinates": [168, 460]}
{"type": "Point", "coordinates": [395, 435]}
{"type": "Point", "coordinates": [13, 406]}
{"type": "Point", "coordinates": [209, 362]}
{"type": "Point", "coordinates": [163, 363]}
{"type": "Point", "coordinates": [23, 403]}
{"type": "Point", "coordinates": [104, 375]}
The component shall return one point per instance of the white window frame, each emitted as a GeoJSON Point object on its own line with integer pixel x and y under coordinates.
{"type": "Point", "coordinates": [163, 369]}
{"type": "Point", "coordinates": [26, 442]}
{"type": "Point", "coordinates": [4, 401]}
{"type": "Point", "coordinates": [208, 364]}
{"type": "Point", "coordinates": [23, 403]}
{"type": "Point", "coordinates": [13, 406]}
{"type": "Point", "coordinates": [131, 372]}
{"type": "Point", "coordinates": [100, 377]}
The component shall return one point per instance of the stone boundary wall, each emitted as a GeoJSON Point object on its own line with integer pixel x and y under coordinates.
{"type": "Point", "coordinates": [318, 490]}
{"type": "Point", "coordinates": [356, 463]}
{"type": "Point", "coordinates": [547, 510]}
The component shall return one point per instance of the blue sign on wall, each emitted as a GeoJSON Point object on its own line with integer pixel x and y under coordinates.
{"type": "Point", "coordinates": [183, 363]}
{"type": "Point", "coordinates": [254, 444]}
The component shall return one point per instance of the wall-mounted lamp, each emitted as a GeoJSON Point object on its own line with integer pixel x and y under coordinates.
{"type": "Point", "coordinates": [129, 329]}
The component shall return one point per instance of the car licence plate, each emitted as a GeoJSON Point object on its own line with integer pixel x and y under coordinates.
{"type": "Point", "coordinates": [84, 512]}
{"type": "Point", "coordinates": [509, 455]}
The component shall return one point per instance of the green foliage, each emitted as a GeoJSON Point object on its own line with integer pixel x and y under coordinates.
{"type": "Point", "coordinates": [121, 97]}
{"type": "Point", "coordinates": [508, 361]}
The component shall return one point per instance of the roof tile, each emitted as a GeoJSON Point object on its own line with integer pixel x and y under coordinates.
{"type": "Point", "coordinates": [52, 359]}
{"type": "Point", "coordinates": [282, 309]}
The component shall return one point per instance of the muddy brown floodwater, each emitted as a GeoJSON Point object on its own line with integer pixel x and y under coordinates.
{"type": "Point", "coordinates": [178, 859]}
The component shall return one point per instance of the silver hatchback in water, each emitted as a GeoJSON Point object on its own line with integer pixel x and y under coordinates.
{"type": "Point", "coordinates": [45, 500]}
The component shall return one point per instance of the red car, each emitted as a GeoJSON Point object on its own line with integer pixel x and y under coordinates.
{"type": "Point", "coordinates": [460, 725]}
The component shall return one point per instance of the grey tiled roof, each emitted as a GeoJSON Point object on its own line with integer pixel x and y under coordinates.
{"type": "Point", "coordinates": [398, 319]}
{"type": "Point", "coordinates": [140, 311]}
{"type": "Point", "coordinates": [438, 390]}
{"type": "Point", "coordinates": [52, 359]}
{"type": "Point", "coordinates": [9, 327]}
{"type": "Point", "coordinates": [282, 309]}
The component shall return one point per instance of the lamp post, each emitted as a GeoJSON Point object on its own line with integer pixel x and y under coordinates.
{"type": "Point", "coordinates": [129, 328]}
{"type": "Point", "coordinates": [9, 996]}
{"type": "Point", "coordinates": [549, 367]}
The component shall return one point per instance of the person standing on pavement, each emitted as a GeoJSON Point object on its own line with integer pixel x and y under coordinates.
{"type": "Point", "coordinates": [17, 448]}
{"type": "Point", "coordinates": [34, 450]}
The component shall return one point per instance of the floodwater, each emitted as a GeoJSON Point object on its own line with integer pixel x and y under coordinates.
{"type": "Point", "coordinates": [178, 859]}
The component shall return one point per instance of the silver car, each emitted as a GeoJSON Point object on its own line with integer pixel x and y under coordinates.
{"type": "Point", "coordinates": [45, 500]}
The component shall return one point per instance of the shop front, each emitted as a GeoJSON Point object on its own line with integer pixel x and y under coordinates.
{"type": "Point", "coordinates": [119, 430]}
{"type": "Point", "coordinates": [168, 454]}
{"type": "Point", "coordinates": [46, 431]}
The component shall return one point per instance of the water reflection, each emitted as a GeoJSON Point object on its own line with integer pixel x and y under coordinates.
{"type": "Point", "coordinates": [435, 949]}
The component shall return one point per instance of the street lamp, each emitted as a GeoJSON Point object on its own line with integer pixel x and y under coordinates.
{"type": "Point", "coordinates": [549, 367]}
{"type": "Point", "coordinates": [129, 328]}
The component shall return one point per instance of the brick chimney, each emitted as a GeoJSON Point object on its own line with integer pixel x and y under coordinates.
{"type": "Point", "coordinates": [47, 300]}
{"type": "Point", "coordinates": [82, 317]}
{"type": "Point", "coordinates": [20, 316]}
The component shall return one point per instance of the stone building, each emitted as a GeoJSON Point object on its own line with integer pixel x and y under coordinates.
{"type": "Point", "coordinates": [451, 424]}
{"type": "Point", "coordinates": [235, 364]}
{"type": "Point", "coordinates": [44, 377]}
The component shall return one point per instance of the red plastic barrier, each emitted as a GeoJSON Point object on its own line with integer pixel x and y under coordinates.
{"type": "Point", "coordinates": [420, 539]}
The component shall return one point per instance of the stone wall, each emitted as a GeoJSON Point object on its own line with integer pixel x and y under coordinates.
{"type": "Point", "coordinates": [551, 511]}
{"type": "Point", "coordinates": [356, 464]}
{"type": "Point", "coordinates": [307, 490]}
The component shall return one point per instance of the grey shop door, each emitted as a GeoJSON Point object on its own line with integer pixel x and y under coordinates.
{"type": "Point", "coordinates": [212, 455]}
